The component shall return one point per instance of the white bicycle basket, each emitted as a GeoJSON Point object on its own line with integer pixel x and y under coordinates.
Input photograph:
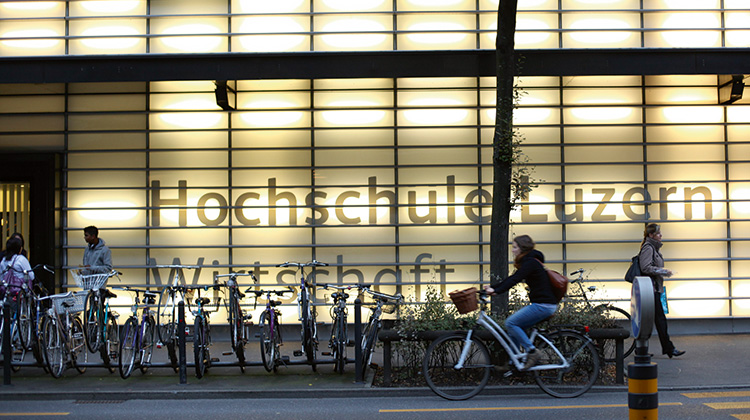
{"type": "Point", "coordinates": [70, 304]}
{"type": "Point", "coordinates": [90, 281]}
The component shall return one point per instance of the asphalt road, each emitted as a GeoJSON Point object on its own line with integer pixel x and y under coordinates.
{"type": "Point", "coordinates": [674, 405]}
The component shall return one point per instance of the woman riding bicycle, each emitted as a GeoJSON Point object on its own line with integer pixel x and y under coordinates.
{"type": "Point", "coordinates": [528, 263]}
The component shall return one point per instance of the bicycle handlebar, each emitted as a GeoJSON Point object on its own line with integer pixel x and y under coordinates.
{"type": "Point", "coordinates": [333, 286]}
{"type": "Point", "coordinates": [579, 271]}
{"type": "Point", "coordinates": [313, 263]}
{"type": "Point", "coordinates": [396, 297]}
{"type": "Point", "coordinates": [233, 275]}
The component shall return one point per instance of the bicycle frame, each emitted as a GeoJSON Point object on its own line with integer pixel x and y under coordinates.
{"type": "Point", "coordinates": [510, 347]}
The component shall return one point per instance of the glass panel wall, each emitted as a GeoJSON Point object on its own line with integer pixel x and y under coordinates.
{"type": "Point", "coordinates": [389, 180]}
{"type": "Point", "coordinates": [78, 27]}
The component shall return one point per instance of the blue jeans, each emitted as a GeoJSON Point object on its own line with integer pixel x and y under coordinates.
{"type": "Point", "coordinates": [527, 317]}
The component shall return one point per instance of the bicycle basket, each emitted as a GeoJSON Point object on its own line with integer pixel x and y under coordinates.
{"type": "Point", "coordinates": [89, 281]}
{"type": "Point", "coordinates": [388, 308]}
{"type": "Point", "coordinates": [465, 300]}
{"type": "Point", "coordinates": [69, 304]}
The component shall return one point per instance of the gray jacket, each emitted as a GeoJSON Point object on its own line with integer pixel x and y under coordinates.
{"type": "Point", "coordinates": [98, 258]}
{"type": "Point", "coordinates": [652, 263]}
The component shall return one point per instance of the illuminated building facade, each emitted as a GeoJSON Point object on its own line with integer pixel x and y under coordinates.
{"type": "Point", "coordinates": [359, 133]}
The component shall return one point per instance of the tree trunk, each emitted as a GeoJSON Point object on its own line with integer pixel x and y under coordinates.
{"type": "Point", "coordinates": [503, 147]}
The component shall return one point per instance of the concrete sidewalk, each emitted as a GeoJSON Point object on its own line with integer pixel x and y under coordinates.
{"type": "Point", "coordinates": [711, 362]}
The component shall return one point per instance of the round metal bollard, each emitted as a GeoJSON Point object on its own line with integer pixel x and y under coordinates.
{"type": "Point", "coordinates": [643, 396]}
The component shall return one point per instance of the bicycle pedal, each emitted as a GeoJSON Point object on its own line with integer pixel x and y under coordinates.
{"type": "Point", "coordinates": [508, 374]}
{"type": "Point", "coordinates": [326, 353]}
{"type": "Point", "coordinates": [246, 317]}
{"type": "Point", "coordinates": [297, 353]}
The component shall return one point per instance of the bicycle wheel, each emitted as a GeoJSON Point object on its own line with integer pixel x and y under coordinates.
{"type": "Point", "coordinates": [38, 343]}
{"type": "Point", "coordinates": [338, 342]}
{"type": "Point", "coordinates": [574, 380]}
{"type": "Point", "coordinates": [128, 347]}
{"type": "Point", "coordinates": [110, 348]}
{"type": "Point", "coordinates": [439, 367]}
{"type": "Point", "coordinates": [309, 335]}
{"type": "Point", "coordinates": [607, 347]}
{"type": "Point", "coordinates": [147, 343]}
{"type": "Point", "coordinates": [17, 348]}
{"type": "Point", "coordinates": [267, 347]}
{"type": "Point", "coordinates": [78, 352]}
{"type": "Point", "coordinates": [25, 327]}
{"type": "Point", "coordinates": [53, 349]}
{"type": "Point", "coordinates": [369, 336]}
{"type": "Point", "coordinates": [92, 320]}
{"type": "Point", "coordinates": [200, 347]}
{"type": "Point", "coordinates": [237, 329]}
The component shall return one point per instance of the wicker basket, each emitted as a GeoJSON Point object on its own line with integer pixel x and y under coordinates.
{"type": "Point", "coordinates": [465, 300]}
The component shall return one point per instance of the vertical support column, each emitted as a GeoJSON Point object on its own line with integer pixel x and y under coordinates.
{"type": "Point", "coordinates": [358, 371]}
{"type": "Point", "coordinates": [181, 330]}
{"type": "Point", "coordinates": [7, 353]}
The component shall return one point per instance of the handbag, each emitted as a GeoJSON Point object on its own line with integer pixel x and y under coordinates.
{"type": "Point", "coordinates": [558, 282]}
{"type": "Point", "coordinates": [634, 270]}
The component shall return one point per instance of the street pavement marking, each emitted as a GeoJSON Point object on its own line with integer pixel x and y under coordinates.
{"type": "Point", "coordinates": [556, 407]}
{"type": "Point", "coordinates": [728, 405]}
{"type": "Point", "coordinates": [741, 416]}
{"type": "Point", "coordinates": [32, 414]}
{"type": "Point", "coordinates": [717, 394]}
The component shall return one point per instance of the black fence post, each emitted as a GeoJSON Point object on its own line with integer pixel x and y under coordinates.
{"type": "Point", "coordinates": [7, 353]}
{"type": "Point", "coordinates": [181, 341]}
{"type": "Point", "coordinates": [358, 371]}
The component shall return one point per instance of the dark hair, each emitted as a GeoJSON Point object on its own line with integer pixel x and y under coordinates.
{"type": "Point", "coordinates": [91, 230]}
{"type": "Point", "coordinates": [12, 247]}
{"type": "Point", "coordinates": [19, 236]}
{"type": "Point", "coordinates": [651, 228]}
{"type": "Point", "coordinates": [526, 245]}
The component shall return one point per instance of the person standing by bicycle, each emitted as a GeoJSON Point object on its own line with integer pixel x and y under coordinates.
{"type": "Point", "coordinates": [652, 265]}
{"type": "Point", "coordinates": [15, 260]}
{"type": "Point", "coordinates": [529, 268]}
{"type": "Point", "coordinates": [97, 258]}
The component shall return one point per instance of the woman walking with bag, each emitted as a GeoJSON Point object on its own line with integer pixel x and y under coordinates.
{"type": "Point", "coordinates": [652, 265]}
{"type": "Point", "coordinates": [528, 262]}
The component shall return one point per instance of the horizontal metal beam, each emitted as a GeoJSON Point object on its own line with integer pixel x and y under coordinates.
{"type": "Point", "coordinates": [314, 65]}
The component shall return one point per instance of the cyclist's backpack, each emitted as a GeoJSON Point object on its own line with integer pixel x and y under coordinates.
{"type": "Point", "coordinates": [558, 282]}
{"type": "Point", "coordinates": [12, 279]}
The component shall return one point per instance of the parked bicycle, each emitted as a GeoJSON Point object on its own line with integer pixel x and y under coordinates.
{"type": "Point", "coordinates": [457, 366]}
{"type": "Point", "coordinates": [307, 313]}
{"type": "Point", "coordinates": [64, 339]}
{"type": "Point", "coordinates": [339, 340]}
{"type": "Point", "coordinates": [137, 337]}
{"type": "Point", "coordinates": [202, 330]}
{"type": "Point", "coordinates": [384, 303]}
{"type": "Point", "coordinates": [21, 301]}
{"type": "Point", "coordinates": [98, 321]}
{"type": "Point", "coordinates": [621, 316]}
{"type": "Point", "coordinates": [13, 301]}
{"type": "Point", "coordinates": [236, 316]}
{"type": "Point", "coordinates": [166, 317]}
{"type": "Point", "coordinates": [270, 329]}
